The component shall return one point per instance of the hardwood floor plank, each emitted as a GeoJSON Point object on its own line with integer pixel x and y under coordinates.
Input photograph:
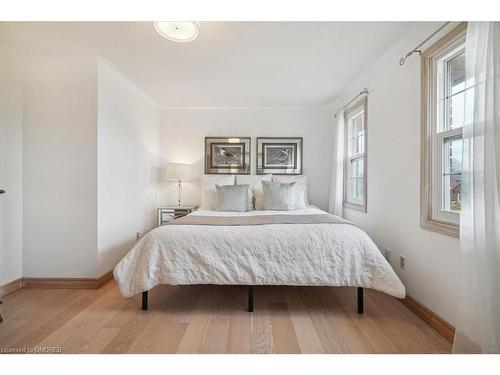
{"type": "Point", "coordinates": [344, 325]}
{"type": "Point", "coordinates": [18, 299]}
{"type": "Point", "coordinates": [393, 328]}
{"type": "Point", "coordinates": [240, 327]}
{"type": "Point", "coordinates": [170, 338]}
{"type": "Point", "coordinates": [56, 321]}
{"type": "Point", "coordinates": [125, 313]}
{"type": "Point", "coordinates": [30, 329]}
{"type": "Point", "coordinates": [416, 331]}
{"type": "Point", "coordinates": [158, 320]}
{"type": "Point", "coordinates": [30, 312]}
{"type": "Point", "coordinates": [375, 336]}
{"type": "Point", "coordinates": [439, 341]}
{"type": "Point", "coordinates": [216, 336]}
{"type": "Point", "coordinates": [307, 337]}
{"type": "Point", "coordinates": [88, 323]}
{"type": "Point", "coordinates": [198, 322]}
{"type": "Point", "coordinates": [285, 340]}
{"type": "Point", "coordinates": [213, 319]}
{"type": "Point", "coordinates": [262, 341]}
{"type": "Point", "coordinates": [324, 321]}
{"type": "Point", "coordinates": [186, 298]}
{"type": "Point", "coordinates": [98, 342]}
{"type": "Point", "coordinates": [128, 334]}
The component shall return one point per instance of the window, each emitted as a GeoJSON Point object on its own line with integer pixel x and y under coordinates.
{"type": "Point", "coordinates": [444, 90]}
{"type": "Point", "coordinates": [355, 156]}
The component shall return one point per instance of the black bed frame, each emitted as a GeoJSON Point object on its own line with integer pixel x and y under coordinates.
{"type": "Point", "coordinates": [145, 295]}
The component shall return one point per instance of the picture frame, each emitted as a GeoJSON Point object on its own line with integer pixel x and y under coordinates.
{"type": "Point", "coordinates": [227, 155]}
{"type": "Point", "coordinates": [279, 155]}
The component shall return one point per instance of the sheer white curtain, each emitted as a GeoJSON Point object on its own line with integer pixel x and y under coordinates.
{"type": "Point", "coordinates": [337, 180]}
{"type": "Point", "coordinates": [478, 320]}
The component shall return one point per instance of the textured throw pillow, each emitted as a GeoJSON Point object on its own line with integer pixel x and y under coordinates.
{"type": "Point", "coordinates": [301, 189]}
{"type": "Point", "coordinates": [233, 198]}
{"type": "Point", "coordinates": [255, 190]}
{"type": "Point", "coordinates": [208, 191]}
{"type": "Point", "coordinates": [279, 196]}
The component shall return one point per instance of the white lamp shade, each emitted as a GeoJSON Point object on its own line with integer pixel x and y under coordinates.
{"type": "Point", "coordinates": [178, 171]}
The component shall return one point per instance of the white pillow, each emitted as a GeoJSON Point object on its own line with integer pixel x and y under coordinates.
{"type": "Point", "coordinates": [208, 190]}
{"type": "Point", "coordinates": [301, 189]}
{"type": "Point", "coordinates": [280, 196]}
{"type": "Point", "coordinates": [232, 198]}
{"type": "Point", "coordinates": [255, 192]}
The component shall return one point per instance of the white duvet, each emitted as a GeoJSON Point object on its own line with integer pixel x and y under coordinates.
{"type": "Point", "coordinates": [278, 254]}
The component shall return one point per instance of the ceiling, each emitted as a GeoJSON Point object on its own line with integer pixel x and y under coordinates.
{"type": "Point", "coordinates": [238, 64]}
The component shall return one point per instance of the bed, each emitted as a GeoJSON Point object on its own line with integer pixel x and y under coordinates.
{"type": "Point", "coordinates": [306, 247]}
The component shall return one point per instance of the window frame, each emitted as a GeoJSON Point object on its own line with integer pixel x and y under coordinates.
{"type": "Point", "coordinates": [432, 217]}
{"type": "Point", "coordinates": [350, 112]}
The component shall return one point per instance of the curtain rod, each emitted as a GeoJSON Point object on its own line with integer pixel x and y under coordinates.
{"type": "Point", "coordinates": [402, 60]}
{"type": "Point", "coordinates": [364, 92]}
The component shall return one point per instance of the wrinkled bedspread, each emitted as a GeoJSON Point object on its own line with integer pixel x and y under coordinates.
{"type": "Point", "coordinates": [274, 254]}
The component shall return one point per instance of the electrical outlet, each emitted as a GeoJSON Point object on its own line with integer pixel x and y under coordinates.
{"type": "Point", "coordinates": [137, 236]}
{"type": "Point", "coordinates": [402, 262]}
{"type": "Point", "coordinates": [387, 254]}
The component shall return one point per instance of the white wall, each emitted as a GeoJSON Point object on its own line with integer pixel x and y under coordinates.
{"type": "Point", "coordinates": [183, 131]}
{"type": "Point", "coordinates": [393, 216]}
{"type": "Point", "coordinates": [11, 142]}
{"type": "Point", "coordinates": [60, 168]}
{"type": "Point", "coordinates": [128, 133]}
{"type": "Point", "coordinates": [90, 166]}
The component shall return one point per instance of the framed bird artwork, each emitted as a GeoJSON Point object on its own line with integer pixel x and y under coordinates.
{"type": "Point", "coordinates": [279, 155]}
{"type": "Point", "coordinates": [227, 155]}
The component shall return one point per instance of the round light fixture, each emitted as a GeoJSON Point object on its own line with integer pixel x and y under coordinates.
{"type": "Point", "coordinates": [178, 31]}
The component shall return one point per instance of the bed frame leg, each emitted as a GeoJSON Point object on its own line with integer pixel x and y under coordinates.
{"type": "Point", "coordinates": [250, 298]}
{"type": "Point", "coordinates": [360, 300]}
{"type": "Point", "coordinates": [145, 300]}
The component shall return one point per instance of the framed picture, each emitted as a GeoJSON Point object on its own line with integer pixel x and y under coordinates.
{"type": "Point", "coordinates": [279, 155]}
{"type": "Point", "coordinates": [227, 155]}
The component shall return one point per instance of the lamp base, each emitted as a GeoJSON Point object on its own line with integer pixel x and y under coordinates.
{"type": "Point", "coordinates": [180, 192]}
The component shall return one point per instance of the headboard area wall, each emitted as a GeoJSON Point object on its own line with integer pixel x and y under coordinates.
{"type": "Point", "coordinates": [183, 132]}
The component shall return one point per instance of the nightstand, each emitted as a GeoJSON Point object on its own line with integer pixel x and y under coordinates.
{"type": "Point", "coordinates": [166, 214]}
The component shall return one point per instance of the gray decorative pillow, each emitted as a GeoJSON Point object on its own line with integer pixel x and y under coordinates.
{"type": "Point", "coordinates": [279, 196]}
{"type": "Point", "coordinates": [232, 198]}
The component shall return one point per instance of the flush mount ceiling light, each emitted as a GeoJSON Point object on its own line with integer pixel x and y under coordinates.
{"type": "Point", "coordinates": [178, 31]}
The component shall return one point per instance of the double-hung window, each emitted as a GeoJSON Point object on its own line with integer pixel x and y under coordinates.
{"type": "Point", "coordinates": [445, 91]}
{"type": "Point", "coordinates": [355, 155]}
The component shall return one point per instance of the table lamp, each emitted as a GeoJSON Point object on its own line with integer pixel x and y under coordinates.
{"type": "Point", "coordinates": [178, 172]}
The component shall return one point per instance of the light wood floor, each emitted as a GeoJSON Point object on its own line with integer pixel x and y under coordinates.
{"type": "Point", "coordinates": [212, 319]}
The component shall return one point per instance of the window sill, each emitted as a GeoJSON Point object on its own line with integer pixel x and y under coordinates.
{"type": "Point", "coordinates": [354, 206]}
{"type": "Point", "coordinates": [448, 229]}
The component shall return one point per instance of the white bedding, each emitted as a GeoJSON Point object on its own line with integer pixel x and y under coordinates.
{"type": "Point", "coordinates": [277, 254]}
